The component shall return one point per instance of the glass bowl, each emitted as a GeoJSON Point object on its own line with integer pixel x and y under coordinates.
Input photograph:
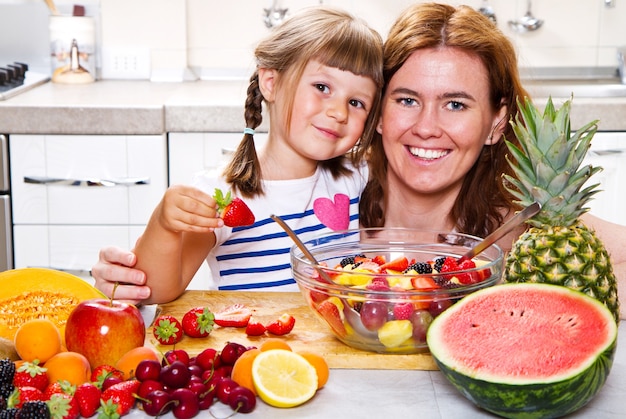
{"type": "Point", "coordinates": [379, 301]}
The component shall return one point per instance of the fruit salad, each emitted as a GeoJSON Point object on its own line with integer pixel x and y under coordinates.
{"type": "Point", "coordinates": [393, 301]}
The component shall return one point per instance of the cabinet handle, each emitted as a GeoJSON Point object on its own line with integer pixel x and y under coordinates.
{"type": "Point", "coordinates": [41, 180]}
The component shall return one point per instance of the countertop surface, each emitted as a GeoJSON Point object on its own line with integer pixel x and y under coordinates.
{"type": "Point", "coordinates": [144, 107]}
{"type": "Point", "coordinates": [410, 393]}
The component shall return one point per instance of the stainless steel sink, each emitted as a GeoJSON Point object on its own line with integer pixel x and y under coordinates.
{"type": "Point", "coordinates": [564, 82]}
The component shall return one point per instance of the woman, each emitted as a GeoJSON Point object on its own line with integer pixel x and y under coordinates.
{"type": "Point", "coordinates": [451, 84]}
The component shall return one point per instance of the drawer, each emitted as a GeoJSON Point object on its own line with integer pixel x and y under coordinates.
{"type": "Point", "coordinates": [190, 153]}
{"type": "Point", "coordinates": [135, 165]}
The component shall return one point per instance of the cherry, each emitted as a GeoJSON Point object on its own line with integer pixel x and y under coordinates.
{"type": "Point", "coordinates": [175, 355]}
{"type": "Point", "coordinates": [148, 369]}
{"type": "Point", "coordinates": [175, 375]}
{"type": "Point", "coordinates": [207, 397]}
{"type": "Point", "coordinates": [109, 381]}
{"type": "Point", "coordinates": [149, 386]}
{"type": "Point", "coordinates": [197, 387]}
{"type": "Point", "coordinates": [231, 352]}
{"type": "Point", "coordinates": [207, 358]}
{"type": "Point", "coordinates": [242, 399]}
{"type": "Point", "coordinates": [156, 403]}
{"type": "Point", "coordinates": [186, 406]}
{"type": "Point", "coordinates": [224, 388]}
{"type": "Point", "coordinates": [195, 370]}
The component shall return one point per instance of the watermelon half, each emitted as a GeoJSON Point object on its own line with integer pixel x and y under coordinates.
{"type": "Point", "coordinates": [525, 350]}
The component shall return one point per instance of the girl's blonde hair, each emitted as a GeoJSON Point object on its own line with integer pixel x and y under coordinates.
{"type": "Point", "coordinates": [331, 36]}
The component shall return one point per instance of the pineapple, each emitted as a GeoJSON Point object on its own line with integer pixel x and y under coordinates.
{"type": "Point", "coordinates": [557, 248]}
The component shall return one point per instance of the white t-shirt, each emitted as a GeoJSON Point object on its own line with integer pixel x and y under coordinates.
{"type": "Point", "coordinates": [257, 257]}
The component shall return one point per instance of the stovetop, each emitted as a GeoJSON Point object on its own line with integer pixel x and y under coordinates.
{"type": "Point", "coordinates": [15, 78]}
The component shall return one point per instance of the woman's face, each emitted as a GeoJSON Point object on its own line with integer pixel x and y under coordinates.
{"type": "Point", "coordinates": [436, 118]}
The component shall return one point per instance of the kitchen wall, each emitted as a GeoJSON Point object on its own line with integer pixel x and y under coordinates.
{"type": "Point", "coordinates": [173, 40]}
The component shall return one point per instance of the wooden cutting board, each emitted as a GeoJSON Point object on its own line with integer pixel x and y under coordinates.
{"type": "Point", "coordinates": [308, 334]}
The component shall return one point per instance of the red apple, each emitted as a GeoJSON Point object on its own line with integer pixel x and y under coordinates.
{"type": "Point", "coordinates": [103, 330]}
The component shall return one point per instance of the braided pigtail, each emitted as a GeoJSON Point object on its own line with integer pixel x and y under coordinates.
{"type": "Point", "coordinates": [244, 170]}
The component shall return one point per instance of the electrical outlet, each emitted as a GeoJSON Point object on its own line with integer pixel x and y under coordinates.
{"type": "Point", "coordinates": [126, 63]}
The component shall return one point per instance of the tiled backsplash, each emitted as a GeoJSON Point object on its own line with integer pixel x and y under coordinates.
{"type": "Point", "coordinates": [213, 40]}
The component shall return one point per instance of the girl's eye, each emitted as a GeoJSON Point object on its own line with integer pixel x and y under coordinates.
{"type": "Point", "coordinates": [456, 106]}
{"type": "Point", "coordinates": [356, 103]}
{"type": "Point", "coordinates": [322, 87]}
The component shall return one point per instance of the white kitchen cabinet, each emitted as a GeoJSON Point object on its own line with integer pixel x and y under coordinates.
{"type": "Point", "coordinates": [608, 150]}
{"type": "Point", "coordinates": [59, 222]}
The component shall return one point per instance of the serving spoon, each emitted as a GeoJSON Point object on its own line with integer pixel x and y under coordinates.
{"type": "Point", "coordinates": [501, 231]}
{"type": "Point", "coordinates": [353, 316]}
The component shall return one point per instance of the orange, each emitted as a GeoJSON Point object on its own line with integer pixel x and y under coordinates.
{"type": "Point", "coordinates": [320, 365]}
{"type": "Point", "coordinates": [129, 361]}
{"type": "Point", "coordinates": [70, 366]}
{"type": "Point", "coordinates": [242, 369]}
{"type": "Point", "coordinates": [37, 339]}
{"type": "Point", "coordinates": [274, 343]}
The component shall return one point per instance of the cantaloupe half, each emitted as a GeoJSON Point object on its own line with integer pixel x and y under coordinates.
{"type": "Point", "coordinates": [30, 293]}
{"type": "Point", "coordinates": [525, 350]}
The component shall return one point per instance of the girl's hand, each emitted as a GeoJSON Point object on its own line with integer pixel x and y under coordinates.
{"type": "Point", "coordinates": [188, 209]}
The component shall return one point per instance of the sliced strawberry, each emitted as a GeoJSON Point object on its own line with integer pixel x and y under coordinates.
{"type": "Point", "coordinates": [167, 330]}
{"type": "Point", "coordinates": [236, 315]}
{"type": "Point", "coordinates": [399, 264]}
{"type": "Point", "coordinates": [233, 211]}
{"type": "Point", "coordinates": [330, 313]}
{"type": "Point", "coordinates": [379, 259]}
{"type": "Point", "coordinates": [281, 326]}
{"type": "Point", "coordinates": [255, 328]}
{"type": "Point", "coordinates": [424, 283]}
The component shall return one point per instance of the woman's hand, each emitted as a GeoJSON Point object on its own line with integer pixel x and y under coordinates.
{"type": "Point", "coordinates": [116, 265]}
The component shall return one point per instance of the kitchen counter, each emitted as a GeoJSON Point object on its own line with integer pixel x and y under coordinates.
{"type": "Point", "coordinates": [143, 107]}
{"type": "Point", "coordinates": [409, 393]}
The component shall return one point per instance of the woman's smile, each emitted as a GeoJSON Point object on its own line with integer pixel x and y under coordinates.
{"type": "Point", "coordinates": [428, 153]}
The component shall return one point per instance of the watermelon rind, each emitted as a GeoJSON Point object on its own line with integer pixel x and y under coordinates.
{"type": "Point", "coordinates": [513, 397]}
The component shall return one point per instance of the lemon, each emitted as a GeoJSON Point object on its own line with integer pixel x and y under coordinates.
{"type": "Point", "coordinates": [283, 378]}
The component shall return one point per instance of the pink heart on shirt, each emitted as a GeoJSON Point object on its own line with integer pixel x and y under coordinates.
{"type": "Point", "coordinates": [334, 215]}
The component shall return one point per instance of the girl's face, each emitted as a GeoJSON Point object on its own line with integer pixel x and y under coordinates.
{"type": "Point", "coordinates": [436, 117]}
{"type": "Point", "coordinates": [329, 111]}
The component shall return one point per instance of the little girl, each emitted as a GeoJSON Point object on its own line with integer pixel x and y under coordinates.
{"type": "Point", "coordinates": [320, 76]}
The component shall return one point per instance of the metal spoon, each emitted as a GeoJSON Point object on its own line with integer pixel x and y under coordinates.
{"type": "Point", "coordinates": [526, 23]}
{"type": "Point", "coordinates": [501, 231]}
{"type": "Point", "coordinates": [487, 10]}
{"type": "Point", "coordinates": [353, 316]}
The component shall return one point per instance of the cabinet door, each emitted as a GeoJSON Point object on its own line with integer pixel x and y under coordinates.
{"type": "Point", "coordinates": [608, 150]}
{"type": "Point", "coordinates": [190, 153]}
{"type": "Point", "coordinates": [134, 167]}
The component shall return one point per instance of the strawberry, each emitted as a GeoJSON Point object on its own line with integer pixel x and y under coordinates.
{"type": "Point", "coordinates": [379, 259]}
{"type": "Point", "coordinates": [402, 311]}
{"type": "Point", "coordinates": [102, 372]}
{"type": "Point", "coordinates": [233, 211]}
{"type": "Point", "coordinates": [122, 394]}
{"type": "Point", "coordinates": [255, 328]}
{"type": "Point", "coordinates": [31, 374]}
{"type": "Point", "coordinates": [424, 283]}
{"type": "Point", "coordinates": [167, 330]}
{"type": "Point", "coordinates": [451, 265]}
{"type": "Point", "coordinates": [63, 406]}
{"type": "Point", "coordinates": [58, 387]}
{"type": "Point", "coordinates": [330, 312]}
{"type": "Point", "coordinates": [399, 264]}
{"type": "Point", "coordinates": [20, 395]}
{"type": "Point", "coordinates": [236, 315]}
{"type": "Point", "coordinates": [281, 326]}
{"type": "Point", "coordinates": [198, 322]}
{"type": "Point", "coordinates": [87, 396]}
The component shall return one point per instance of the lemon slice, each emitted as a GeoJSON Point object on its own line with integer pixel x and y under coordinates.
{"type": "Point", "coordinates": [283, 378]}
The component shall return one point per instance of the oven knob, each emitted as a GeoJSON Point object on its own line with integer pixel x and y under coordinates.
{"type": "Point", "coordinates": [10, 74]}
{"type": "Point", "coordinates": [3, 77]}
{"type": "Point", "coordinates": [18, 71]}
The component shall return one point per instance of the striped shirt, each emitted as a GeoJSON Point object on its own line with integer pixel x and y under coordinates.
{"type": "Point", "coordinates": [257, 257]}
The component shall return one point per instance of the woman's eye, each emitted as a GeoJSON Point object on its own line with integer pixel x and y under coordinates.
{"type": "Point", "coordinates": [407, 101]}
{"type": "Point", "coordinates": [322, 88]}
{"type": "Point", "coordinates": [456, 106]}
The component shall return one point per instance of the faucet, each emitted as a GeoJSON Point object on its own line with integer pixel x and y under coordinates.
{"type": "Point", "coordinates": [621, 66]}
{"type": "Point", "coordinates": [275, 15]}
